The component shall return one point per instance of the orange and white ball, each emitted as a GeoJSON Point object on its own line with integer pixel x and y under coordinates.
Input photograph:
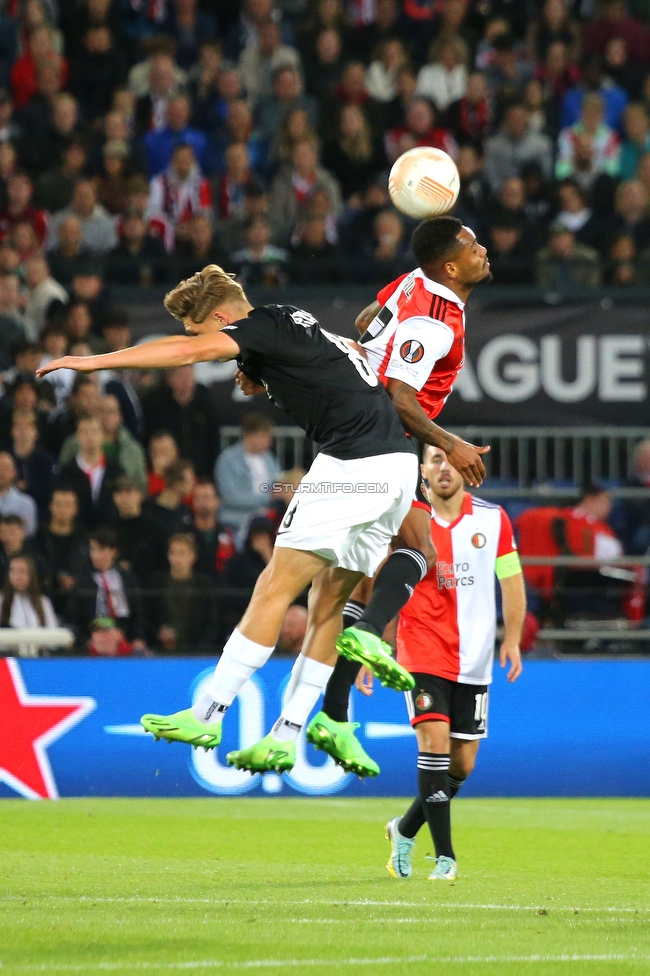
{"type": "Point", "coordinates": [424, 182]}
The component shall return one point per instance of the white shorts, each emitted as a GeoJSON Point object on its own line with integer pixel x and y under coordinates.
{"type": "Point", "coordinates": [348, 511]}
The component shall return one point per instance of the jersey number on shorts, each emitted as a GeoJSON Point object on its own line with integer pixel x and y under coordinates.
{"type": "Point", "coordinates": [288, 518]}
{"type": "Point", "coordinates": [481, 707]}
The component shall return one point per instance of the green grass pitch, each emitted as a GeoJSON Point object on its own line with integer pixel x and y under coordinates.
{"type": "Point", "coordinates": [299, 887]}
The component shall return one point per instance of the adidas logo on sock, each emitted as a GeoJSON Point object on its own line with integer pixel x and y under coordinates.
{"type": "Point", "coordinates": [439, 797]}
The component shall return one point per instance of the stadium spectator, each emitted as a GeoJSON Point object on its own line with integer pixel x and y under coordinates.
{"type": "Point", "coordinates": [514, 146]}
{"type": "Point", "coordinates": [353, 157]}
{"type": "Point", "coordinates": [160, 144]}
{"type": "Point", "coordinates": [43, 291]}
{"type": "Point", "coordinates": [22, 604]}
{"type": "Point", "coordinates": [366, 38]}
{"type": "Point", "coordinates": [19, 208]}
{"type": "Point", "coordinates": [105, 590]}
{"type": "Point", "coordinates": [61, 545]}
{"type": "Point", "coordinates": [14, 542]}
{"type": "Point", "coordinates": [323, 70]}
{"type": "Point", "coordinates": [238, 129]}
{"type": "Point", "coordinates": [163, 449]}
{"type": "Point", "coordinates": [181, 192]}
{"type": "Point", "coordinates": [260, 262]}
{"type": "Point", "coordinates": [243, 467]}
{"type": "Point", "coordinates": [201, 248]}
{"type": "Point", "coordinates": [159, 81]}
{"type": "Point", "coordinates": [286, 96]}
{"type": "Point", "coordinates": [140, 257]}
{"type": "Point", "coordinates": [444, 79]}
{"type": "Point", "coordinates": [470, 117]}
{"type": "Point", "coordinates": [97, 70]}
{"type": "Point", "coordinates": [230, 186]}
{"type": "Point", "coordinates": [182, 612]}
{"type": "Point", "coordinates": [79, 325]}
{"type": "Point", "coordinates": [107, 640]}
{"type": "Point", "coordinates": [589, 148]}
{"type": "Point", "coordinates": [620, 267]}
{"type": "Point", "coordinates": [97, 227]}
{"type": "Point", "coordinates": [113, 181]}
{"type": "Point", "coordinates": [90, 474]}
{"type": "Point", "coordinates": [34, 466]}
{"type": "Point", "coordinates": [631, 213]}
{"type": "Point", "coordinates": [419, 129]}
{"type": "Point", "coordinates": [564, 264]}
{"type": "Point", "coordinates": [118, 445]}
{"type": "Point", "coordinates": [183, 407]}
{"type": "Point", "coordinates": [382, 73]}
{"type": "Point", "coordinates": [294, 628]}
{"type": "Point", "coordinates": [140, 540]}
{"type": "Point", "coordinates": [214, 543]}
{"type": "Point", "coordinates": [168, 509]}
{"type": "Point", "coordinates": [12, 500]}
{"type": "Point", "coordinates": [592, 80]}
{"type": "Point", "coordinates": [510, 262]}
{"type": "Point", "coordinates": [258, 62]}
{"type": "Point", "coordinates": [295, 184]}
{"type": "Point", "coordinates": [616, 23]}
{"type": "Point", "coordinates": [70, 253]}
{"type": "Point", "coordinates": [636, 142]}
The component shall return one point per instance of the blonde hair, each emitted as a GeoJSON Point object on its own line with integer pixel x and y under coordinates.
{"type": "Point", "coordinates": [196, 297]}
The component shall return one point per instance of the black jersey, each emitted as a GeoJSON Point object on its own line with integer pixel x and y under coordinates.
{"type": "Point", "coordinates": [327, 387]}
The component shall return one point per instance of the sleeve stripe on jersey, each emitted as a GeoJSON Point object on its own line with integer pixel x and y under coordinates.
{"type": "Point", "coordinates": [508, 565]}
{"type": "Point", "coordinates": [438, 310]}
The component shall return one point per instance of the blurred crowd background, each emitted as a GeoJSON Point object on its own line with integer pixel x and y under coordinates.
{"type": "Point", "coordinates": [143, 139]}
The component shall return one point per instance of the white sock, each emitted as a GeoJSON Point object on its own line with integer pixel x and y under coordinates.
{"type": "Point", "coordinates": [240, 659]}
{"type": "Point", "coordinates": [308, 680]}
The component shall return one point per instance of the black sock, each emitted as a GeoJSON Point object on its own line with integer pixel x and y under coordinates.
{"type": "Point", "coordinates": [433, 769]}
{"type": "Point", "coordinates": [455, 783]}
{"type": "Point", "coordinates": [393, 587]}
{"type": "Point", "coordinates": [412, 820]}
{"type": "Point", "coordinates": [337, 693]}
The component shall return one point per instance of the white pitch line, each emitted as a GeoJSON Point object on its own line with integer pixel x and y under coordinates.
{"type": "Point", "coordinates": [295, 963]}
{"type": "Point", "coordinates": [363, 903]}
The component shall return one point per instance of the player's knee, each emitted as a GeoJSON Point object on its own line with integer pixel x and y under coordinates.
{"type": "Point", "coordinates": [462, 763]}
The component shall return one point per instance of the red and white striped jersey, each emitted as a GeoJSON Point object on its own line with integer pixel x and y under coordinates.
{"type": "Point", "coordinates": [448, 627]}
{"type": "Point", "coordinates": [418, 337]}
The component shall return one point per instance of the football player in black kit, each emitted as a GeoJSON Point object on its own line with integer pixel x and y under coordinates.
{"type": "Point", "coordinates": [349, 506]}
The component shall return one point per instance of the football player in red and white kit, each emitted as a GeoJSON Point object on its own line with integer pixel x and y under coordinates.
{"type": "Point", "coordinates": [445, 639]}
{"type": "Point", "coordinates": [414, 338]}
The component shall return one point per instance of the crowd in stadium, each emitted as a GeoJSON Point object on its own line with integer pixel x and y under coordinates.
{"type": "Point", "coordinates": [141, 140]}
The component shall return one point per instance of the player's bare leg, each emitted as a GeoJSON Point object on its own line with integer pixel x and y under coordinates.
{"type": "Point", "coordinates": [247, 649]}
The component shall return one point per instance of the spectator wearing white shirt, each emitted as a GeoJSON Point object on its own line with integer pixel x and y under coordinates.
{"type": "Point", "coordinates": [444, 79]}
{"type": "Point", "coordinates": [98, 231]}
{"type": "Point", "coordinates": [258, 62]}
{"type": "Point", "coordinates": [13, 501]}
{"type": "Point", "coordinates": [382, 73]}
{"type": "Point", "coordinates": [243, 468]}
{"type": "Point", "coordinates": [42, 291]}
{"type": "Point", "coordinates": [23, 605]}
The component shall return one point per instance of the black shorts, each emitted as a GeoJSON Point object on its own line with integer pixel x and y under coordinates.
{"type": "Point", "coordinates": [464, 707]}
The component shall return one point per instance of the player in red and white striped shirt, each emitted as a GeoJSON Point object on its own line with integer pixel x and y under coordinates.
{"type": "Point", "coordinates": [445, 639]}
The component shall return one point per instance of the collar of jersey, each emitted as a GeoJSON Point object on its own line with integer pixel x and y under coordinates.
{"type": "Point", "coordinates": [465, 509]}
{"type": "Point", "coordinates": [435, 288]}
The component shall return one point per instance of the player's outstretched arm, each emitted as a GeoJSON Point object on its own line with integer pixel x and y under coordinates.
{"type": "Point", "coordinates": [513, 593]}
{"type": "Point", "coordinates": [163, 353]}
{"type": "Point", "coordinates": [466, 458]}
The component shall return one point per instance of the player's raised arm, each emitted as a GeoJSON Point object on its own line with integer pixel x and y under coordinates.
{"type": "Point", "coordinates": [466, 458]}
{"type": "Point", "coordinates": [365, 317]}
{"type": "Point", "coordinates": [163, 353]}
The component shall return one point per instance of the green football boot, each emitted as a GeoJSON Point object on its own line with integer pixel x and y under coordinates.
{"type": "Point", "coordinates": [183, 727]}
{"type": "Point", "coordinates": [366, 648]}
{"type": "Point", "coordinates": [266, 756]}
{"type": "Point", "coordinates": [401, 851]}
{"type": "Point", "coordinates": [445, 869]}
{"type": "Point", "coordinates": [338, 740]}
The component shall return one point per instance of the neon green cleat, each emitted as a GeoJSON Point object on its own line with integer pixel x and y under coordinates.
{"type": "Point", "coordinates": [183, 727]}
{"type": "Point", "coordinates": [445, 869]}
{"type": "Point", "coordinates": [401, 851]}
{"type": "Point", "coordinates": [338, 740]}
{"type": "Point", "coordinates": [267, 755]}
{"type": "Point", "coordinates": [366, 648]}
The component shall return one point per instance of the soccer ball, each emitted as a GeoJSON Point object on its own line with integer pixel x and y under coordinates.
{"type": "Point", "coordinates": [424, 182]}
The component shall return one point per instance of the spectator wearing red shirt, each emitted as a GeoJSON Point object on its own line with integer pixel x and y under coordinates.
{"type": "Point", "coordinates": [19, 209]}
{"type": "Point", "coordinates": [163, 450]}
{"type": "Point", "coordinates": [616, 23]}
{"type": "Point", "coordinates": [420, 129]}
{"type": "Point", "coordinates": [471, 117]}
{"type": "Point", "coordinates": [40, 48]}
